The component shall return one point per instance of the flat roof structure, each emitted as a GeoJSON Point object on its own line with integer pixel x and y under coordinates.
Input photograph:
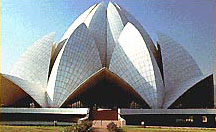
{"type": "Point", "coordinates": [85, 111]}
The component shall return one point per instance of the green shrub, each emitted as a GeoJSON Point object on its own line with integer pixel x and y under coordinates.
{"type": "Point", "coordinates": [112, 127]}
{"type": "Point", "coordinates": [83, 127]}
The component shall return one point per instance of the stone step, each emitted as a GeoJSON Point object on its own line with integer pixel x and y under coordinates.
{"type": "Point", "coordinates": [104, 123]}
{"type": "Point", "coordinates": [100, 130]}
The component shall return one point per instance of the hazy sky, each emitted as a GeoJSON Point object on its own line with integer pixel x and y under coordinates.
{"type": "Point", "coordinates": [189, 22]}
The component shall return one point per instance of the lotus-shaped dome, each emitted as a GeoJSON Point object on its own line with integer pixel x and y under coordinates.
{"type": "Point", "coordinates": [105, 38]}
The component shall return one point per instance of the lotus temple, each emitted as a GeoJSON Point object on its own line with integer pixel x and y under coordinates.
{"type": "Point", "coordinates": [106, 60]}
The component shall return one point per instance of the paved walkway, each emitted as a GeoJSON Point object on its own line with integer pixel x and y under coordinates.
{"type": "Point", "coordinates": [100, 130]}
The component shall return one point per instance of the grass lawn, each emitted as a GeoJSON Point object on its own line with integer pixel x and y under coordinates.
{"type": "Point", "coordinates": [31, 129]}
{"type": "Point", "coordinates": [125, 129]}
{"type": "Point", "coordinates": [172, 129]}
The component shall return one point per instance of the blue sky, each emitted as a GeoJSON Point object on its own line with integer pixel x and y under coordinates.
{"type": "Point", "coordinates": [189, 22]}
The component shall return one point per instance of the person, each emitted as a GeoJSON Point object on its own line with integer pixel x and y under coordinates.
{"type": "Point", "coordinates": [32, 105]}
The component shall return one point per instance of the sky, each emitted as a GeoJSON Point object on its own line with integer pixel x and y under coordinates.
{"type": "Point", "coordinates": [189, 22]}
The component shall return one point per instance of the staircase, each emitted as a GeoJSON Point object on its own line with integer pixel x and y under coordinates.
{"type": "Point", "coordinates": [102, 117]}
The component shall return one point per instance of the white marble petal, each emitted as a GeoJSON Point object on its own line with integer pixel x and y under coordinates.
{"type": "Point", "coordinates": [132, 61]}
{"type": "Point", "coordinates": [96, 23]}
{"type": "Point", "coordinates": [33, 65]}
{"type": "Point", "coordinates": [76, 62]}
{"type": "Point", "coordinates": [180, 70]}
{"type": "Point", "coordinates": [114, 29]}
{"type": "Point", "coordinates": [77, 22]}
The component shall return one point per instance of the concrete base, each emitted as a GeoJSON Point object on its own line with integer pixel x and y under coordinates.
{"type": "Point", "coordinates": [150, 117]}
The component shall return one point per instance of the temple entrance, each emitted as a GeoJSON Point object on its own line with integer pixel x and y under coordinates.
{"type": "Point", "coordinates": [103, 114]}
{"type": "Point", "coordinates": [107, 91]}
{"type": "Point", "coordinates": [26, 102]}
{"type": "Point", "coordinates": [14, 96]}
{"type": "Point", "coordinates": [107, 95]}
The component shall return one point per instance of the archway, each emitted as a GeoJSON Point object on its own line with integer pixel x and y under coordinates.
{"type": "Point", "coordinates": [105, 90]}
{"type": "Point", "coordinates": [14, 96]}
{"type": "Point", "coordinates": [199, 96]}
